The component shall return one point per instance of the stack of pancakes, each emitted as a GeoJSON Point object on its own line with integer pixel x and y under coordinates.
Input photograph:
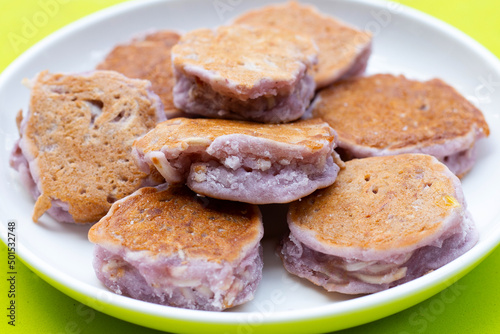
{"type": "Point", "coordinates": [173, 156]}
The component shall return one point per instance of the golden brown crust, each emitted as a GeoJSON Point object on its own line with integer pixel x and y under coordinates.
{"type": "Point", "coordinates": [392, 112]}
{"type": "Point", "coordinates": [240, 58]}
{"type": "Point", "coordinates": [182, 132]}
{"type": "Point", "coordinates": [148, 58]}
{"type": "Point", "coordinates": [19, 120]}
{"type": "Point", "coordinates": [175, 220]}
{"type": "Point", "coordinates": [338, 44]}
{"type": "Point", "coordinates": [84, 159]}
{"type": "Point", "coordinates": [380, 203]}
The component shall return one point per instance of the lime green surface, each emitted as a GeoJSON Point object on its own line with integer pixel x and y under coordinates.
{"type": "Point", "coordinates": [472, 305]}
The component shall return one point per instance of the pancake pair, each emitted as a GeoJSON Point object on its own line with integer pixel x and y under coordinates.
{"type": "Point", "coordinates": [385, 221]}
{"type": "Point", "coordinates": [241, 161]}
{"type": "Point", "coordinates": [167, 245]}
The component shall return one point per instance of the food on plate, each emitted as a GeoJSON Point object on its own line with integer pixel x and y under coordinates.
{"type": "Point", "coordinates": [167, 245]}
{"type": "Point", "coordinates": [246, 73]}
{"type": "Point", "coordinates": [175, 200]}
{"type": "Point", "coordinates": [385, 114]}
{"type": "Point", "coordinates": [241, 161]}
{"type": "Point", "coordinates": [343, 49]}
{"type": "Point", "coordinates": [385, 221]}
{"type": "Point", "coordinates": [148, 57]}
{"type": "Point", "coordinates": [75, 141]}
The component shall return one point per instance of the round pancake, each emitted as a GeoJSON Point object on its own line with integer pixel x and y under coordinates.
{"type": "Point", "coordinates": [245, 62]}
{"type": "Point", "coordinates": [380, 206]}
{"type": "Point", "coordinates": [78, 135]}
{"type": "Point", "coordinates": [342, 49]}
{"type": "Point", "coordinates": [148, 57]}
{"type": "Point", "coordinates": [183, 132]}
{"type": "Point", "coordinates": [174, 220]}
{"type": "Point", "coordinates": [392, 113]}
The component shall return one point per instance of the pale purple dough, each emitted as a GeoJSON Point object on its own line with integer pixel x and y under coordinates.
{"type": "Point", "coordinates": [281, 184]}
{"type": "Point", "coordinates": [194, 96]}
{"type": "Point", "coordinates": [193, 284]}
{"type": "Point", "coordinates": [355, 276]}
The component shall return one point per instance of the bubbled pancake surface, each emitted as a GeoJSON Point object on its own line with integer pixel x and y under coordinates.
{"type": "Point", "coordinates": [384, 111]}
{"type": "Point", "coordinates": [239, 58]}
{"type": "Point", "coordinates": [147, 58]}
{"type": "Point", "coordinates": [338, 43]}
{"type": "Point", "coordinates": [173, 220]}
{"type": "Point", "coordinates": [182, 132]}
{"type": "Point", "coordinates": [80, 131]}
{"type": "Point", "coordinates": [379, 203]}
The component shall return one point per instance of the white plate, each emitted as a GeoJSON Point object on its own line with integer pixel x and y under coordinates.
{"type": "Point", "coordinates": [406, 41]}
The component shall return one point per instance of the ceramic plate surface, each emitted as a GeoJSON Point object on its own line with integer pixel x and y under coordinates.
{"type": "Point", "coordinates": [405, 41]}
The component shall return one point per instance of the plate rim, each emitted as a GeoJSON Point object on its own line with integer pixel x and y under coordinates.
{"type": "Point", "coordinates": [416, 291]}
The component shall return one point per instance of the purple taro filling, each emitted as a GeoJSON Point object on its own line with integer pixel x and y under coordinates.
{"type": "Point", "coordinates": [355, 276]}
{"type": "Point", "coordinates": [247, 169]}
{"type": "Point", "coordinates": [175, 281]}
{"type": "Point", "coordinates": [277, 184]}
{"type": "Point", "coordinates": [197, 97]}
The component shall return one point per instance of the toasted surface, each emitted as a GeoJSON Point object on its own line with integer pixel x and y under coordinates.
{"type": "Point", "coordinates": [339, 44]}
{"type": "Point", "coordinates": [183, 132]}
{"type": "Point", "coordinates": [380, 203]}
{"type": "Point", "coordinates": [79, 132]}
{"type": "Point", "coordinates": [148, 58]}
{"type": "Point", "coordinates": [392, 112]}
{"type": "Point", "coordinates": [167, 221]}
{"type": "Point", "coordinates": [237, 60]}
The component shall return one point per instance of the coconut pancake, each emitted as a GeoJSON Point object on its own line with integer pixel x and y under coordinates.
{"type": "Point", "coordinates": [148, 57]}
{"type": "Point", "coordinates": [343, 50]}
{"type": "Point", "coordinates": [75, 142]}
{"type": "Point", "coordinates": [242, 72]}
{"type": "Point", "coordinates": [385, 221]}
{"type": "Point", "coordinates": [170, 246]}
{"type": "Point", "coordinates": [241, 161]}
{"type": "Point", "coordinates": [385, 114]}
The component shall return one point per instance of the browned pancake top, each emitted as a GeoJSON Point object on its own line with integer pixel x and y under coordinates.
{"type": "Point", "coordinates": [147, 58]}
{"type": "Point", "coordinates": [391, 112]}
{"type": "Point", "coordinates": [176, 220]}
{"type": "Point", "coordinates": [242, 58]}
{"type": "Point", "coordinates": [183, 132]}
{"type": "Point", "coordinates": [338, 44]}
{"type": "Point", "coordinates": [380, 203]}
{"type": "Point", "coordinates": [80, 131]}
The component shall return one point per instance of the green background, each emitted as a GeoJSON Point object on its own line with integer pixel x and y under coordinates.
{"type": "Point", "coordinates": [472, 305]}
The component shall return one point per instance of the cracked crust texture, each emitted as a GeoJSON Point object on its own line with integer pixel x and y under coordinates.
{"type": "Point", "coordinates": [77, 139]}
